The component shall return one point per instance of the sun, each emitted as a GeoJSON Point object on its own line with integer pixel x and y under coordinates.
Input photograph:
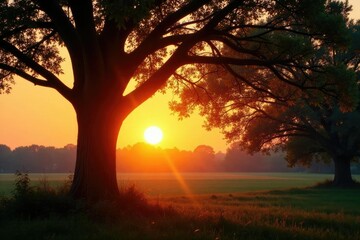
{"type": "Point", "coordinates": [153, 135]}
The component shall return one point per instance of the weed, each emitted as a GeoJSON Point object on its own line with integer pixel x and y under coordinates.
{"type": "Point", "coordinates": [22, 185]}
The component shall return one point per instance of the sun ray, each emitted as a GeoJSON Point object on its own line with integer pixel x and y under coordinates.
{"type": "Point", "coordinates": [181, 181]}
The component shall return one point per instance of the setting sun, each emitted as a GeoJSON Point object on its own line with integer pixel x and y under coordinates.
{"type": "Point", "coordinates": [153, 135]}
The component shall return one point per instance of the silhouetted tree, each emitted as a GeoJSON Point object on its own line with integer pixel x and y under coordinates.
{"type": "Point", "coordinates": [320, 124]}
{"type": "Point", "coordinates": [151, 41]}
{"type": "Point", "coordinates": [308, 131]}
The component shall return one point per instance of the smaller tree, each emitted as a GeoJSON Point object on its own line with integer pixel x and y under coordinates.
{"type": "Point", "coordinates": [311, 120]}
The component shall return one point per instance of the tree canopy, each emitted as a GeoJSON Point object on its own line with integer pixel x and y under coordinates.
{"type": "Point", "coordinates": [149, 34]}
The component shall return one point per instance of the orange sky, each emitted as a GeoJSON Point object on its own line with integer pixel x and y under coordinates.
{"type": "Point", "coordinates": [36, 115]}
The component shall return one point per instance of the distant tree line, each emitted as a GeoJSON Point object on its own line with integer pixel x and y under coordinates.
{"type": "Point", "coordinates": [37, 158]}
{"type": "Point", "coordinates": [142, 157]}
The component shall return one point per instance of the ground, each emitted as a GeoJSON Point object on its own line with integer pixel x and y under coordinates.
{"type": "Point", "coordinates": [286, 213]}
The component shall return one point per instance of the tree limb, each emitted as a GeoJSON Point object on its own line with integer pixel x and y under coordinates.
{"type": "Point", "coordinates": [54, 81]}
{"type": "Point", "coordinates": [26, 76]}
{"type": "Point", "coordinates": [62, 24]}
{"type": "Point", "coordinates": [145, 48]}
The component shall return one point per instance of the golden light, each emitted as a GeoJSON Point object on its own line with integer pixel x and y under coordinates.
{"type": "Point", "coordinates": [153, 135]}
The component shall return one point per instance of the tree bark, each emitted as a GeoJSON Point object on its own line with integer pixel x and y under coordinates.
{"type": "Point", "coordinates": [342, 176]}
{"type": "Point", "coordinates": [95, 170]}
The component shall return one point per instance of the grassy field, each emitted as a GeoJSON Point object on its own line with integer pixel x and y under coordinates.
{"type": "Point", "coordinates": [167, 184]}
{"type": "Point", "coordinates": [263, 206]}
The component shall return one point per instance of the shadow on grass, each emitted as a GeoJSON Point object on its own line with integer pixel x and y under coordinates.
{"type": "Point", "coordinates": [329, 184]}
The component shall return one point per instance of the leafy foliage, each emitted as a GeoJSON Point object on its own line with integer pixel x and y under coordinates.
{"type": "Point", "coordinates": [23, 28]}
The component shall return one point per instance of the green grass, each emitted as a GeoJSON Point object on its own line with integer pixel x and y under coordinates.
{"type": "Point", "coordinates": [279, 212]}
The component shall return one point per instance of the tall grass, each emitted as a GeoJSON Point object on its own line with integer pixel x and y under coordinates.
{"type": "Point", "coordinates": [39, 201]}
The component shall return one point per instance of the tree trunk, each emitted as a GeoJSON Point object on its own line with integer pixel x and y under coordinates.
{"type": "Point", "coordinates": [342, 176]}
{"type": "Point", "coordinates": [95, 170]}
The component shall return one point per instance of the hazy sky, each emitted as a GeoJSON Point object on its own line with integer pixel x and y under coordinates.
{"type": "Point", "coordinates": [36, 115]}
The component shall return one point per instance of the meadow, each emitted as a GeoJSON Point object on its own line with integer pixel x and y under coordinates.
{"type": "Point", "coordinates": [222, 206]}
{"type": "Point", "coordinates": [169, 184]}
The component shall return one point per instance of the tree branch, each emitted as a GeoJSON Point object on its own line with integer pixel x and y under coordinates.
{"type": "Point", "coordinates": [153, 84]}
{"type": "Point", "coordinates": [54, 81]}
{"type": "Point", "coordinates": [62, 24]}
{"type": "Point", "coordinates": [147, 46]}
{"type": "Point", "coordinates": [85, 25]}
{"type": "Point", "coordinates": [26, 76]}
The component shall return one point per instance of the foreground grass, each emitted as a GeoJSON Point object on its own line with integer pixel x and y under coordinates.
{"type": "Point", "coordinates": [306, 213]}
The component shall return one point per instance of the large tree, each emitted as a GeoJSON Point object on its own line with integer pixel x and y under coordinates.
{"type": "Point", "coordinates": [318, 122]}
{"type": "Point", "coordinates": [112, 42]}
